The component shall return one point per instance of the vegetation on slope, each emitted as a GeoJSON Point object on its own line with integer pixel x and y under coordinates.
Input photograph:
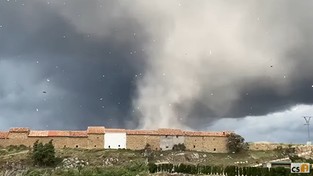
{"type": "Point", "coordinates": [20, 159]}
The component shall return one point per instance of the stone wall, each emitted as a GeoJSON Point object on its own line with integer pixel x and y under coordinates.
{"type": "Point", "coordinates": [206, 143]}
{"type": "Point", "coordinates": [95, 141]}
{"type": "Point", "coordinates": [168, 142]}
{"type": "Point", "coordinates": [17, 138]}
{"type": "Point", "coordinates": [135, 139]}
{"type": "Point", "coordinates": [265, 146]}
{"type": "Point", "coordinates": [154, 141]}
{"type": "Point", "coordinates": [136, 142]}
{"type": "Point", "coordinates": [194, 143]}
{"type": "Point", "coordinates": [139, 142]}
{"type": "Point", "coordinates": [3, 142]}
{"type": "Point", "coordinates": [215, 144]}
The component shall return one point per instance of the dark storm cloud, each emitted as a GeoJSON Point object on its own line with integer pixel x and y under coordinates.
{"type": "Point", "coordinates": [236, 60]}
{"type": "Point", "coordinates": [262, 95]}
{"type": "Point", "coordinates": [171, 64]}
{"type": "Point", "coordinates": [88, 79]}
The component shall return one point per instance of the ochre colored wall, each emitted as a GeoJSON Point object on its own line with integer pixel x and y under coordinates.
{"type": "Point", "coordinates": [133, 142]}
{"type": "Point", "coordinates": [215, 144]}
{"type": "Point", "coordinates": [207, 144]}
{"type": "Point", "coordinates": [3, 142]}
{"type": "Point", "coordinates": [154, 141]}
{"type": "Point", "coordinates": [32, 140]}
{"type": "Point", "coordinates": [77, 142]}
{"type": "Point", "coordinates": [194, 143]}
{"type": "Point", "coordinates": [95, 141]}
{"type": "Point", "coordinates": [138, 142]}
{"type": "Point", "coordinates": [17, 139]}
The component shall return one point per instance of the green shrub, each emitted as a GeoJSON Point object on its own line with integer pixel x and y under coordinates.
{"type": "Point", "coordinates": [179, 147]}
{"type": "Point", "coordinates": [16, 148]}
{"type": "Point", "coordinates": [43, 155]}
{"type": "Point", "coordinates": [152, 167]}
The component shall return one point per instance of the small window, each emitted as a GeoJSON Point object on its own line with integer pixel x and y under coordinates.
{"type": "Point", "coordinates": [119, 145]}
{"type": "Point", "coordinates": [95, 145]}
{"type": "Point", "coordinates": [194, 146]}
{"type": "Point", "coordinates": [109, 146]}
{"type": "Point", "coordinates": [64, 146]}
{"type": "Point", "coordinates": [156, 148]}
{"type": "Point", "coordinates": [166, 136]}
{"type": "Point", "coordinates": [166, 147]}
{"type": "Point", "coordinates": [76, 146]}
{"type": "Point", "coordinates": [214, 149]}
{"type": "Point", "coordinates": [223, 133]}
{"type": "Point", "coordinates": [176, 136]}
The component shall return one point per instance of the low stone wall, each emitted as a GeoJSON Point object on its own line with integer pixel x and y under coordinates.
{"type": "Point", "coordinates": [264, 146]}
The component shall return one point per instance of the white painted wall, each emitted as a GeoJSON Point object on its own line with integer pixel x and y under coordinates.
{"type": "Point", "coordinates": [114, 140]}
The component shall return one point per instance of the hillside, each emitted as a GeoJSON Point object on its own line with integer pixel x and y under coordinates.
{"type": "Point", "coordinates": [17, 160]}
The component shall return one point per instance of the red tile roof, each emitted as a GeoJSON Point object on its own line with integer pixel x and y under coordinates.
{"type": "Point", "coordinates": [78, 134]}
{"type": "Point", "coordinates": [96, 130]}
{"type": "Point", "coordinates": [38, 133]}
{"type": "Point", "coordinates": [114, 130]}
{"type": "Point", "coordinates": [58, 133]}
{"type": "Point", "coordinates": [142, 132]}
{"type": "Point", "coordinates": [19, 130]}
{"type": "Point", "coordinates": [170, 132]}
{"type": "Point", "coordinates": [3, 134]}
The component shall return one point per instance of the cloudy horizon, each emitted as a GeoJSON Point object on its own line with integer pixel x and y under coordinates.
{"type": "Point", "coordinates": [204, 65]}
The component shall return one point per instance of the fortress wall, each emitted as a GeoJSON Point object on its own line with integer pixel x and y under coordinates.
{"type": "Point", "coordinates": [154, 142]}
{"type": "Point", "coordinates": [194, 143]}
{"type": "Point", "coordinates": [215, 144]}
{"type": "Point", "coordinates": [3, 142]}
{"type": "Point", "coordinates": [17, 138]}
{"type": "Point", "coordinates": [135, 139]}
{"type": "Point", "coordinates": [265, 146]}
{"type": "Point", "coordinates": [136, 142]}
{"type": "Point", "coordinates": [77, 142]}
{"type": "Point", "coordinates": [32, 140]}
{"type": "Point", "coordinates": [168, 142]}
{"type": "Point", "coordinates": [95, 140]}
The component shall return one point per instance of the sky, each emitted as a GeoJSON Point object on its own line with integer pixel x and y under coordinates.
{"type": "Point", "coordinates": [243, 66]}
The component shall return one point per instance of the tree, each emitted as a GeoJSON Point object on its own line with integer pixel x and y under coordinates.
{"type": "Point", "coordinates": [236, 143]}
{"type": "Point", "coordinates": [43, 155]}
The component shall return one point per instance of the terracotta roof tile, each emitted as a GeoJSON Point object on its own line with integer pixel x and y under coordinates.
{"type": "Point", "coordinates": [167, 131]}
{"type": "Point", "coordinates": [58, 133]}
{"type": "Point", "coordinates": [3, 134]}
{"type": "Point", "coordinates": [19, 130]}
{"type": "Point", "coordinates": [78, 133]}
{"type": "Point", "coordinates": [141, 132]}
{"type": "Point", "coordinates": [38, 133]}
{"type": "Point", "coordinates": [114, 130]}
{"type": "Point", "coordinates": [96, 130]}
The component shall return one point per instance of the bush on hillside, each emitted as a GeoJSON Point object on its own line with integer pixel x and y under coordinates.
{"type": "Point", "coordinates": [43, 154]}
{"type": "Point", "coordinates": [16, 147]}
{"type": "Point", "coordinates": [179, 147]}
